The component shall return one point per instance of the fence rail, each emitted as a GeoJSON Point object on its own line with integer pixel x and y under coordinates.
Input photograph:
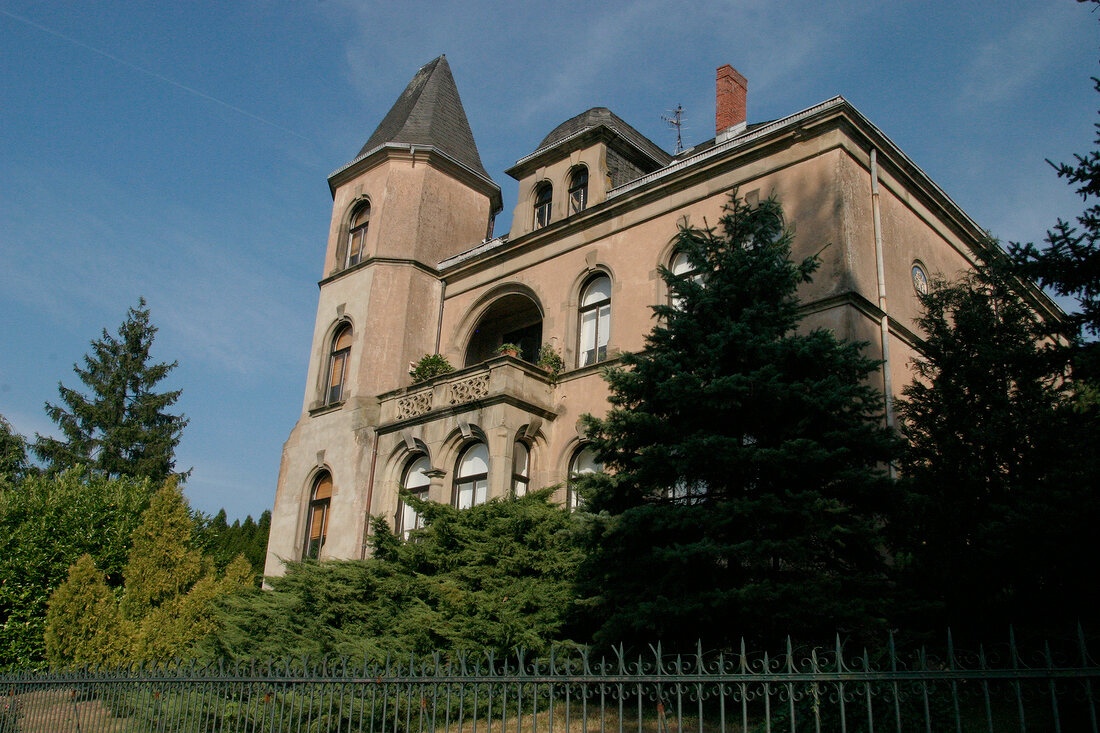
{"type": "Point", "coordinates": [996, 688]}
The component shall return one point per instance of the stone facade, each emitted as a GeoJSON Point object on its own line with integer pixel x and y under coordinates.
{"type": "Point", "coordinates": [428, 281]}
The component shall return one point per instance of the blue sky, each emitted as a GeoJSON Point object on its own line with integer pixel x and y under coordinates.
{"type": "Point", "coordinates": [179, 151]}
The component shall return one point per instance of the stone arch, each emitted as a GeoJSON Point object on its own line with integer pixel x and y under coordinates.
{"type": "Point", "coordinates": [509, 313]}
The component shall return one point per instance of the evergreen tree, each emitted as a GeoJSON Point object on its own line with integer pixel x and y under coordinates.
{"type": "Point", "coordinates": [46, 524]}
{"type": "Point", "coordinates": [1001, 467]}
{"type": "Point", "coordinates": [13, 455]}
{"type": "Point", "coordinates": [1070, 263]}
{"type": "Point", "coordinates": [82, 623]}
{"type": "Point", "coordinates": [123, 427]}
{"type": "Point", "coordinates": [166, 604]}
{"type": "Point", "coordinates": [163, 562]}
{"type": "Point", "coordinates": [224, 542]}
{"type": "Point", "coordinates": [747, 486]}
{"type": "Point", "coordinates": [495, 576]}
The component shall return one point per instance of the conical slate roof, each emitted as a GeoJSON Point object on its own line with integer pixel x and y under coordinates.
{"type": "Point", "coordinates": [429, 112]}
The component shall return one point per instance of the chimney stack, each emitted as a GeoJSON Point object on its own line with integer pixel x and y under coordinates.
{"type": "Point", "coordinates": [730, 102]}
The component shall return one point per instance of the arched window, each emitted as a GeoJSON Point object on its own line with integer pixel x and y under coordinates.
{"type": "Point", "coordinates": [584, 461]}
{"type": "Point", "coordinates": [357, 234]}
{"type": "Point", "coordinates": [317, 521]}
{"type": "Point", "coordinates": [544, 196]}
{"type": "Point", "coordinates": [472, 477]}
{"type": "Point", "coordinates": [338, 365]}
{"type": "Point", "coordinates": [416, 483]}
{"type": "Point", "coordinates": [681, 265]}
{"type": "Point", "coordinates": [521, 469]}
{"type": "Point", "coordinates": [578, 190]}
{"type": "Point", "coordinates": [595, 321]}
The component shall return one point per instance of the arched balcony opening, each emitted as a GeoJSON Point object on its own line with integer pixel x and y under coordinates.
{"type": "Point", "coordinates": [512, 319]}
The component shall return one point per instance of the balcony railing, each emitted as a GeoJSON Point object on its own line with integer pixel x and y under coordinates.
{"type": "Point", "coordinates": [503, 379]}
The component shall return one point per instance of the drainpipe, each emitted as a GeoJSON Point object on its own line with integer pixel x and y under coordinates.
{"type": "Point", "coordinates": [884, 322]}
{"type": "Point", "coordinates": [370, 495]}
{"type": "Point", "coordinates": [439, 321]}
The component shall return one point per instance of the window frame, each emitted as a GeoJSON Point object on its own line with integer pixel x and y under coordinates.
{"type": "Point", "coordinates": [543, 206]}
{"type": "Point", "coordinates": [578, 184]}
{"type": "Point", "coordinates": [572, 500]}
{"type": "Point", "coordinates": [337, 355]}
{"type": "Point", "coordinates": [521, 479]}
{"type": "Point", "coordinates": [473, 481]}
{"type": "Point", "coordinates": [598, 350]}
{"type": "Point", "coordinates": [357, 234]}
{"type": "Point", "coordinates": [420, 490]}
{"type": "Point", "coordinates": [311, 551]}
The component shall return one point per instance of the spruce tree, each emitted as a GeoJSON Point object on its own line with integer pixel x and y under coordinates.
{"type": "Point", "coordinates": [1070, 263]}
{"type": "Point", "coordinates": [13, 455]}
{"type": "Point", "coordinates": [122, 427]}
{"type": "Point", "coordinates": [1001, 468]}
{"type": "Point", "coordinates": [746, 484]}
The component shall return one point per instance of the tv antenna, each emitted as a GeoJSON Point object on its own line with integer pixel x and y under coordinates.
{"type": "Point", "coordinates": [676, 120]}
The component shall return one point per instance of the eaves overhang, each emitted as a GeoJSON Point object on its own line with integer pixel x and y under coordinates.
{"type": "Point", "coordinates": [430, 153]}
{"type": "Point", "coordinates": [584, 138]}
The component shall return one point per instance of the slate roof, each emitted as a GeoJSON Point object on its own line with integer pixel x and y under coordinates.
{"type": "Point", "coordinates": [429, 112]}
{"type": "Point", "coordinates": [603, 116]}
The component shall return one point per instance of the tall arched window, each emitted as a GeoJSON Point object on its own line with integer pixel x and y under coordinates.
{"type": "Point", "coordinates": [595, 321]}
{"type": "Point", "coordinates": [681, 265]}
{"type": "Point", "coordinates": [416, 483]}
{"type": "Point", "coordinates": [578, 190]}
{"type": "Point", "coordinates": [317, 520]}
{"type": "Point", "coordinates": [544, 197]}
{"type": "Point", "coordinates": [584, 461]}
{"type": "Point", "coordinates": [357, 234]}
{"type": "Point", "coordinates": [338, 365]}
{"type": "Point", "coordinates": [521, 469]}
{"type": "Point", "coordinates": [472, 477]}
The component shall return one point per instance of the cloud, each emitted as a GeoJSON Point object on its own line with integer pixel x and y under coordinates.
{"type": "Point", "coordinates": [1002, 69]}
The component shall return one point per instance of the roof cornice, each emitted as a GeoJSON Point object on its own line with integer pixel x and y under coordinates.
{"type": "Point", "coordinates": [439, 158]}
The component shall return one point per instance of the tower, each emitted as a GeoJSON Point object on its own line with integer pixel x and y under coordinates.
{"type": "Point", "coordinates": [415, 194]}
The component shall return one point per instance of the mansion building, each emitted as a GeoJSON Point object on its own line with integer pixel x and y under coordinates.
{"type": "Point", "coordinates": [412, 268]}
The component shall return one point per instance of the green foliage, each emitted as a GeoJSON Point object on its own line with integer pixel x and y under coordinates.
{"type": "Point", "coordinates": [13, 455]}
{"type": "Point", "coordinates": [746, 491]}
{"type": "Point", "coordinates": [166, 604]}
{"type": "Point", "coordinates": [1001, 467]}
{"type": "Point", "coordinates": [1070, 263]}
{"type": "Point", "coordinates": [163, 562]}
{"type": "Point", "coordinates": [430, 365]}
{"type": "Point", "coordinates": [223, 542]}
{"type": "Point", "coordinates": [550, 360]}
{"type": "Point", "coordinates": [495, 576]}
{"type": "Point", "coordinates": [508, 348]}
{"type": "Point", "coordinates": [83, 624]}
{"type": "Point", "coordinates": [123, 427]}
{"type": "Point", "coordinates": [46, 524]}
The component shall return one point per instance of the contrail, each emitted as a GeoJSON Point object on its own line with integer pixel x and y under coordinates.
{"type": "Point", "coordinates": [153, 74]}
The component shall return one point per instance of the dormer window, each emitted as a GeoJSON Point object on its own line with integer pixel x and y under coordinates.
{"type": "Point", "coordinates": [357, 234]}
{"type": "Point", "coordinates": [544, 196]}
{"type": "Point", "coordinates": [578, 190]}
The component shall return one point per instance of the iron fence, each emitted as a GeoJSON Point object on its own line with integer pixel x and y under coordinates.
{"type": "Point", "coordinates": [993, 689]}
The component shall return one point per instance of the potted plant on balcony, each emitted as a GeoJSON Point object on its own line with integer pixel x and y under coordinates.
{"type": "Point", "coordinates": [508, 349]}
{"type": "Point", "coordinates": [550, 360]}
{"type": "Point", "coordinates": [430, 365]}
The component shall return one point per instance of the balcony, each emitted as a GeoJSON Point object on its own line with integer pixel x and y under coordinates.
{"type": "Point", "coordinates": [503, 379]}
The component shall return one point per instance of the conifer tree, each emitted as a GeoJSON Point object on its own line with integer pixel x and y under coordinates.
{"type": "Point", "coordinates": [1070, 263]}
{"type": "Point", "coordinates": [13, 455]}
{"type": "Point", "coordinates": [122, 427]}
{"type": "Point", "coordinates": [82, 623]}
{"type": "Point", "coordinates": [1001, 467]}
{"type": "Point", "coordinates": [163, 562]}
{"type": "Point", "coordinates": [746, 486]}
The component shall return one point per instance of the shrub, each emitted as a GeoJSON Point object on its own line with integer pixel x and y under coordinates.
{"type": "Point", "coordinates": [430, 365]}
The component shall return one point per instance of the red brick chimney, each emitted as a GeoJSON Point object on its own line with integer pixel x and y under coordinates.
{"type": "Point", "coordinates": [730, 103]}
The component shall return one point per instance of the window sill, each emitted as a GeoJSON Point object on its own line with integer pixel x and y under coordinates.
{"type": "Point", "coordinates": [325, 409]}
